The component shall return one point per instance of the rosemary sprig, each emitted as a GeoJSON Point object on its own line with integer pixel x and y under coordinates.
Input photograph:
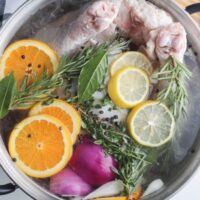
{"type": "Point", "coordinates": [42, 89]}
{"type": "Point", "coordinates": [133, 160]}
{"type": "Point", "coordinates": [175, 94]}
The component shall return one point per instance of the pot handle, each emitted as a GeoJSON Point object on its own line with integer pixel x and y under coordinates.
{"type": "Point", "coordinates": [7, 188]}
{"type": "Point", "coordinates": [194, 8]}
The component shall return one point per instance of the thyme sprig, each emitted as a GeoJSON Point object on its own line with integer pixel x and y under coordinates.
{"type": "Point", "coordinates": [42, 89]}
{"type": "Point", "coordinates": [133, 160]}
{"type": "Point", "coordinates": [175, 94]}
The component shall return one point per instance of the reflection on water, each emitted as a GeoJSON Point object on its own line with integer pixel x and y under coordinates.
{"type": "Point", "coordinates": [189, 127]}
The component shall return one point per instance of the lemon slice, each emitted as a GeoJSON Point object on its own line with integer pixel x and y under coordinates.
{"type": "Point", "coordinates": [128, 87]}
{"type": "Point", "coordinates": [131, 58]}
{"type": "Point", "coordinates": [151, 124]}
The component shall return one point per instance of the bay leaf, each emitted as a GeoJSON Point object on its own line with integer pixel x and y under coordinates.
{"type": "Point", "coordinates": [7, 89]}
{"type": "Point", "coordinates": [92, 75]}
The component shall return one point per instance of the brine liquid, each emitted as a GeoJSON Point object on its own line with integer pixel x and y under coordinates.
{"type": "Point", "coordinates": [187, 128]}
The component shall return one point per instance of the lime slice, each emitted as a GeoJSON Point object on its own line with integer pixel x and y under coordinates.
{"type": "Point", "coordinates": [151, 124]}
{"type": "Point", "coordinates": [131, 58]}
{"type": "Point", "coordinates": [128, 87]}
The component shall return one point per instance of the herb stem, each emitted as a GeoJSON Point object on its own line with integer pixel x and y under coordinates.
{"type": "Point", "coordinates": [132, 158]}
{"type": "Point", "coordinates": [175, 95]}
{"type": "Point", "coordinates": [43, 87]}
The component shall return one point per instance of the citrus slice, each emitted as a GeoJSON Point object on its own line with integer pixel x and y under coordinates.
{"type": "Point", "coordinates": [26, 57]}
{"type": "Point", "coordinates": [131, 58]}
{"type": "Point", "coordinates": [25, 107]}
{"type": "Point", "coordinates": [151, 124]}
{"type": "Point", "coordinates": [128, 87]}
{"type": "Point", "coordinates": [62, 111]}
{"type": "Point", "coordinates": [40, 145]}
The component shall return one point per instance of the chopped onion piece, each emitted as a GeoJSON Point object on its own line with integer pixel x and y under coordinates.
{"type": "Point", "coordinates": [109, 189]}
{"type": "Point", "coordinates": [153, 187]}
{"type": "Point", "coordinates": [68, 183]}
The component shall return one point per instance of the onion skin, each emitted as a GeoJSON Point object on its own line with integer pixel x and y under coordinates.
{"type": "Point", "coordinates": [67, 182]}
{"type": "Point", "coordinates": [92, 165]}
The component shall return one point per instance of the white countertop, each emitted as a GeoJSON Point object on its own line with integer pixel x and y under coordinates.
{"type": "Point", "coordinates": [190, 191]}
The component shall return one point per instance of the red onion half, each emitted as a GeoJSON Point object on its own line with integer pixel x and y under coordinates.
{"type": "Point", "coordinates": [67, 182]}
{"type": "Point", "coordinates": [92, 165]}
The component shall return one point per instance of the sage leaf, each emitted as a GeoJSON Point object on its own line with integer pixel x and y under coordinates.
{"type": "Point", "coordinates": [7, 90]}
{"type": "Point", "coordinates": [92, 75]}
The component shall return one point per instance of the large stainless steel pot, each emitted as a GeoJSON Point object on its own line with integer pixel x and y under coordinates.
{"type": "Point", "coordinates": [29, 10]}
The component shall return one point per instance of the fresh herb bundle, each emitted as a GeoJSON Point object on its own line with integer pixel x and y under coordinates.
{"type": "Point", "coordinates": [42, 88]}
{"type": "Point", "coordinates": [133, 159]}
{"type": "Point", "coordinates": [174, 95]}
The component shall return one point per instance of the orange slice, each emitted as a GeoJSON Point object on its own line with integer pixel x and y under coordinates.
{"type": "Point", "coordinates": [62, 111]}
{"type": "Point", "coordinates": [26, 57]}
{"type": "Point", "coordinates": [40, 146]}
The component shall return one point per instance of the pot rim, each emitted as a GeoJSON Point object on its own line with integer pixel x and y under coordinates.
{"type": "Point", "coordinates": [25, 183]}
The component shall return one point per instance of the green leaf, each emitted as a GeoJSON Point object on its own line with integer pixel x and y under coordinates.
{"type": "Point", "coordinates": [92, 75]}
{"type": "Point", "coordinates": [7, 90]}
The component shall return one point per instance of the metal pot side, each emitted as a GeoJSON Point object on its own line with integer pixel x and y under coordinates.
{"type": "Point", "coordinates": [183, 172]}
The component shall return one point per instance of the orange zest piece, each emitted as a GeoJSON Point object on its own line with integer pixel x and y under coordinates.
{"type": "Point", "coordinates": [113, 198]}
{"type": "Point", "coordinates": [40, 146]}
{"type": "Point", "coordinates": [26, 57]}
{"type": "Point", "coordinates": [62, 111]}
{"type": "Point", "coordinates": [135, 196]}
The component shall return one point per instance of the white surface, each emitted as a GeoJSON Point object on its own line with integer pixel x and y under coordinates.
{"type": "Point", "coordinates": [191, 190]}
{"type": "Point", "coordinates": [12, 5]}
{"type": "Point", "coordinates": [17, 195]}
